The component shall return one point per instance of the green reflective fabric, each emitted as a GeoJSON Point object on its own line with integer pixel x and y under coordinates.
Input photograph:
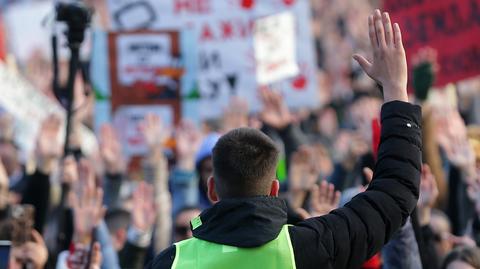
{"type": "Point", "coordinates": [199, 254]}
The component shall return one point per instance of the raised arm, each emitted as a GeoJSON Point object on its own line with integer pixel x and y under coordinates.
{"type": "Point", "coordinates": [352, 234]}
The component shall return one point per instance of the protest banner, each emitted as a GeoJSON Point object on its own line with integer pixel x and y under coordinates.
{"type": "Point", "coordinates": [2, 40]}
{"type": "Point", "coordinates": [451, 27]}
{"type": "Point", "coordinates": [30, 107]}
{"type": "Point", "coordinates": [223, 36]}
{"type": "Point", "coordinates": [274, 43]}
{"type": "Point", "coordinates": [145, 75]}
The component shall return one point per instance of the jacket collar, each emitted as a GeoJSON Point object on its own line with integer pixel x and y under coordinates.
{"type": "Point", "coordinates": [242, 222]}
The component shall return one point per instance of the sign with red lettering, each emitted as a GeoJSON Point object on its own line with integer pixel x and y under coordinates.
{"type": "Point", "coordinates": [451, 27]}
{"type": "Point", "coordinates": [223, 35]}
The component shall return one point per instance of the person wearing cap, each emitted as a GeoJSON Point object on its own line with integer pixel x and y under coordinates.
{"type": "Point", "coordinates": [246, 226]}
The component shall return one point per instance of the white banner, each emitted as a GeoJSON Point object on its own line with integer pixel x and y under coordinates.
{"type": "Point", "coordinates": [30, 107]}
{"type": "Point", "coordinates": [274, 42]}
{"type": "Point", "coordinates": [224, 44]}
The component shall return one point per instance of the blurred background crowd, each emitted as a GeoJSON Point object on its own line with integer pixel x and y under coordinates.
{"type": "Point", "coordinates": [93, 208]}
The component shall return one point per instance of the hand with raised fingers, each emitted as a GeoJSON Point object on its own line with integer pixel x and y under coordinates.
{"type": "Point", "coordinates": [48, 147]}
{"type": "Point", "coordinates": [428, 188]}
{"type": "Point", "coordinates": [87, 204]}
{"type": "Point", "coordinates": [188, 141]}
{"type": "Point", "coordinates": [143, 211]}
{"type": "Point", "coordinates": [275, 112]}
{"type": "Point", "coordinates": [389, 64]}
{"type": "Point", "coordinates": [323, 199]}
{"type": "Point", "coordinates": [236, 114]}
{"type": "Point", "coordinates": [35, 251]}
{"type": "Point", "coordinates": [111, 150]}
{"type": "Point", "coordinates": [154, 132]}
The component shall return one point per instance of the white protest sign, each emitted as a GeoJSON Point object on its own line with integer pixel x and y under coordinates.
{"type": "Point", "coordinates": [127, 121]}
{"type": "Point", "coordinates": [141, 55]}
{"type": "Point", "coordinates": [224, 40]}
{"type": "Point", "coordinates": [30, 107]}
{"type": "Point", "coordinates": [274, 43]}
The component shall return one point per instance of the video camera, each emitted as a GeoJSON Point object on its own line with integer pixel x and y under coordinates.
{"type": "Point", "coordinates": [77, 16]}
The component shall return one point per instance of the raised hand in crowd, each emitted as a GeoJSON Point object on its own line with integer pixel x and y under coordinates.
{"type": "Point", "coordinates": [86, 202]}
{"type": "Point", "coordinates": [188, 141]}
{"type": "Point", "coordinates": [302, 175]}
{"type": "Point", "coordinates": [428, 195]}
{"type": "Point", "coordinates": [32, 254]}
{"type": "Point", "coordinates": [111, 151]}
{"type": "Point", "coordinates": [389, 64]}
{"type": "Point", "coordinates": [275, 112]}
{"type": "Point", "coordinates": [155, 134]}
{"type": "Point", "coordinates": [48, 147]}
{"type": "Point", "coordinates": [143, 210]}
{"type": "Point", "coordinates": [323, 199]}
{"type": "Point", "coordinates": [235, 114]}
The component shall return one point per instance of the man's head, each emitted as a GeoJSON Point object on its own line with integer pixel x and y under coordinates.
{"type": "Point", "coordinates": [244, 165]}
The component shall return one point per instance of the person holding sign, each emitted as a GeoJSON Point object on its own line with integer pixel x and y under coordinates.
{"type": "Point", "coordinates": [246, 226]}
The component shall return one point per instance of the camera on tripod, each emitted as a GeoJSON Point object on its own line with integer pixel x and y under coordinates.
{"type": "Point", "coordinates": [77, 16]}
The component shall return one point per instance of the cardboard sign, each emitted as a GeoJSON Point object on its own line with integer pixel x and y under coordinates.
{"type": "Point", "coordinates": [145, 69]}
{"type": "Point", "coordinates": [223, 33]}
{"type": "Point", "coordinates": [30, 107]}
{"type": "Point", "coordinates": [451, 27]}
{"type": "Point", "coordinates": [274, 41]}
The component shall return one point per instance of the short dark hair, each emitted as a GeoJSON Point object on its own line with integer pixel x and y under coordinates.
{"type": "Point", "coordinates": [468, 255]}
{"type": "Point", "coordinates": [244, 163]}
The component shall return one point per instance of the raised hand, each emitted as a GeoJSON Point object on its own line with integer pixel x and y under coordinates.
{"type": "Point", "coordinates": [323, 199]}
{"type": "Point", "coordinates": [111, 150]}
{"type": "Point", "coordinates": [275, 112]}
{"type": "Point", "coordinates": [188, 139]}
{"type": "Point", "coordinates": [143, 211]}
{"type": "Point", "coordinates": [154, 133]}
{"type": "Point", "coordinates": [236, 114]}
{"type": "Point", "coordinates": [48, 147]}
{"type": "Point", "coordinates": [35, 251]}
{"type": "Point", "coordinates": [428, 188]}
{"type": "Point", "coordinates": [389, 64]}
{"type": "Point", "coordinates": [87, 204]}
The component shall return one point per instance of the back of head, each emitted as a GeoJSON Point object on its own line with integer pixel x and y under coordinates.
{"type": "Point", "coordinates": [244, 163]}
{"type": "Point", "coordinates": [465, 255]}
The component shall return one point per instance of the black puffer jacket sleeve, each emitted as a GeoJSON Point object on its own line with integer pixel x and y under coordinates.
{"type": "Point", "coordinates": [348, 236]}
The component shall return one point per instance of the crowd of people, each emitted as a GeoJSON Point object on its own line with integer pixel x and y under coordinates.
{"type": "Point", "coordinates": [89, 211]}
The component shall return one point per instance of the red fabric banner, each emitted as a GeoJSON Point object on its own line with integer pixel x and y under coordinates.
{"type": "Point", "coordinates": [2, 41]}
{"type": "Point", "coordinates": [452, 27]}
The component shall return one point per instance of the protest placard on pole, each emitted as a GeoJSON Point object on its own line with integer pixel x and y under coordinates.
{"type": "Point", "coordinates": [451, 27]}
{"type": "Point", "coordinates": [274, 43]}
{"type": "Point", "coordinates": [145, 74]}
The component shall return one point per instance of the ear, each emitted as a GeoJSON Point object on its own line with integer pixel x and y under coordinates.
{"type": "Point", "coordinates": [211, 192]}
{"type": "Point", "coordinates": [275, 188]}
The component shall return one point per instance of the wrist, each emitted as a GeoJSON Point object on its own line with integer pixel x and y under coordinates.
{"type": "Point", "coordinates": [395, 93]}
{"type": "Point", "coordinates": [424, 214]}
{"type": "Point", "coordinates": [45, 164]}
